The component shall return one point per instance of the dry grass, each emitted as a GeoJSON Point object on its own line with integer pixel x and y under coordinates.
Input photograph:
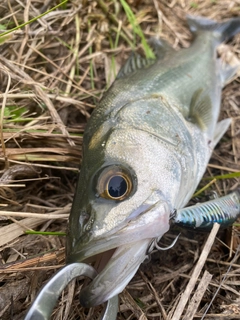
{"type": "Point", "coordinates": [52, 73]}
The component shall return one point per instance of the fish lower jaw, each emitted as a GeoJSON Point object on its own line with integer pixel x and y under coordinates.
{"type": "Point", "coordinates": [91, 297]}
{"type": "Point", "coordinates": [116, 268]}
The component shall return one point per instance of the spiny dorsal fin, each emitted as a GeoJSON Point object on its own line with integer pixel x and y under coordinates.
{"type": "Point", "coordinates": [200, 109]}
{"type": "Point", "coordinates": [134, 63]}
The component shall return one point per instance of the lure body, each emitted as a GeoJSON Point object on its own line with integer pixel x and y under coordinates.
{"type": "Point", "coordinates": [224, 210]}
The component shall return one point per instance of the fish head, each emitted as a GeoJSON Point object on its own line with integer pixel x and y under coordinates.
{"type": "Point", "coordinates": [122, 202]}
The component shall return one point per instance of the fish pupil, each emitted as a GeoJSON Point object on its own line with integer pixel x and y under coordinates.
{"type": "Point", "coordinates": [117, 186]}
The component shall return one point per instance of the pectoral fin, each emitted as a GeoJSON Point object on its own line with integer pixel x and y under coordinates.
{"type": "Point", "coordinates": [201, 110]}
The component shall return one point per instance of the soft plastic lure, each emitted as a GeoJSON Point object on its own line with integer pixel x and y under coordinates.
{"type": "Point", "coordinates": [224, 210]}
{"type": "Point", "coordinates": [43, 305]}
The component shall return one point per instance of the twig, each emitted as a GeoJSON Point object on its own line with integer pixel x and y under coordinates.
{"type": "Point", "coordinates": [197, 297]}
{"type": "Point", "coordinates": [221, 284]}
{"type": "Point", "coordinates": [2, 117]}
{"type": "Point", "coordinates": [191, 284]}
{"type": "Point", "coordinates": [47, 216]}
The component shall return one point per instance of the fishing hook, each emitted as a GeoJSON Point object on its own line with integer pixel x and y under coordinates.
{"type": "Point", "coordinates": [165, 248]}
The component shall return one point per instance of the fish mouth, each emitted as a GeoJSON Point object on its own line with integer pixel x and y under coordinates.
{"type": "Point", "coordinates": [116, 268]}
{"type": "Point", "coordinates": [117, 254]}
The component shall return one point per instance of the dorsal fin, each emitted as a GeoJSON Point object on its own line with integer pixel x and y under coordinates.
{"type": "Point", "coordinates": [200, 109]}
{"type": "Point", "coordinates": [160, 47]}
{"type": "Point", "coordinates": [134, 63]}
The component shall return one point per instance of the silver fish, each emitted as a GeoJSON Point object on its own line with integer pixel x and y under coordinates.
{"type": "Point", "coordinates": [145, 149]}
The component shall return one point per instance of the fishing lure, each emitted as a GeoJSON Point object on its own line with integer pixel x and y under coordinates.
{"type": "Point", "coordinates": [224, 210]}
{"type": "Point", "coordinates": [42, 307]}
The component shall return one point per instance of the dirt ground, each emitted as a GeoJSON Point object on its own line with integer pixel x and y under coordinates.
{"type": "Point", "coordinates": [53, 72]}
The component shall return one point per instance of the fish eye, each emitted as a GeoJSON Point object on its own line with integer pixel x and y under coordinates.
{"type": "Point", "coordinates": [114, 183]}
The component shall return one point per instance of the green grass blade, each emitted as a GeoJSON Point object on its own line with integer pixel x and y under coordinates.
{"type": "Point", "coordinates": [33, 19]}
{"type": "Point", "coordinates": [137, 29]}
{"type": "Point", "coordinates": [204, 188]}
{"type": "Point", "coordinates": [224, 176]}
{"type": "Point", "coordinates": [45, 233]}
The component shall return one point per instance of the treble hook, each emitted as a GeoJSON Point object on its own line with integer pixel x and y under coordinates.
{"type": "Point", "coordinates": [43, 305]}
{"type": "Point", "coordinates": [165, 248]}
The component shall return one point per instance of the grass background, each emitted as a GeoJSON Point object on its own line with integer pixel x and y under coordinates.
{"type": "Point", "coordinates": [55, 64]}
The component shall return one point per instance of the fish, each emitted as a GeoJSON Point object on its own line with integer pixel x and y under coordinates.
{"type": "Point", "coordinates": [145, 149]}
